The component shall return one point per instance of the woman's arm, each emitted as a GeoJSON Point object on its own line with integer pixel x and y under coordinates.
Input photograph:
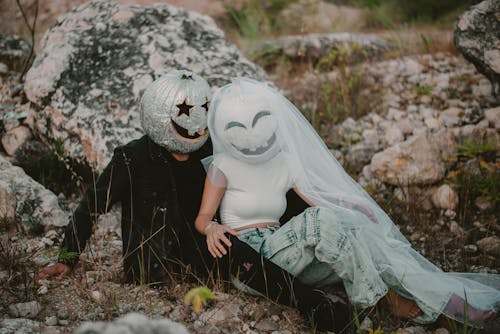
{"type": "Point", "coordinates": [212, 196]}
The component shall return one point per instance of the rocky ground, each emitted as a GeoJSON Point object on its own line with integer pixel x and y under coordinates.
{"type": "Point", "coordinates": [419, 132]}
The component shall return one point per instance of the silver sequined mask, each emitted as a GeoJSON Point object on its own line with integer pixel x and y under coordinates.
{"type": "Point", "coordinates": [174, 111]}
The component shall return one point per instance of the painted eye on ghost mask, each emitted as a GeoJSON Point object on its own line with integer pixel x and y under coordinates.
{"type": "Point", "coordinates": [174, 111]}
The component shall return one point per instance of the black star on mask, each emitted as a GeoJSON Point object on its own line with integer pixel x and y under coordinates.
{"type": "Point", "coordinates": [184, 108]}
{"type": "Point", "coordinates": [206, 105]}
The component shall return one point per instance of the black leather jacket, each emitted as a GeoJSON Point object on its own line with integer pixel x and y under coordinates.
{"type": "Point", "coordinates": [157, 217]}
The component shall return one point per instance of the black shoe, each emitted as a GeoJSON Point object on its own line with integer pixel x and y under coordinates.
{"type": "Point", "coordinates": [328, 313]}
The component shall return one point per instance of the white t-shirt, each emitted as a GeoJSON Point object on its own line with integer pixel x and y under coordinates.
{"type": "Point", "coordinates": [254, 193]}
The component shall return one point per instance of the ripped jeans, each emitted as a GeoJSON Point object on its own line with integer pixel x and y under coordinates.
{"type": "Point", "coordinates": [321, 246]}
{"type": "Point", "coordinates": [314, 247]}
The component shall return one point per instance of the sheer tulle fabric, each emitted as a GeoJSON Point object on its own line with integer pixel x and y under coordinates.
{"type": "Point", "coordinates": [324, 182]}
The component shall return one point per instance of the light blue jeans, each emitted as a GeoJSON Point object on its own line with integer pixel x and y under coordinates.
{"type": "Point", "coordinates": [321, 246]}
{"type": "Point", "coordinates": [318, 250]}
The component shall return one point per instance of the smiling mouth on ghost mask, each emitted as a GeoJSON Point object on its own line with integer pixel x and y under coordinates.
{"type": "Point", "coordinates": [259, 150]}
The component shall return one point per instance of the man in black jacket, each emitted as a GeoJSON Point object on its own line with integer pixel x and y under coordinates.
{"type": "Point", "coordinates": [158, 179]}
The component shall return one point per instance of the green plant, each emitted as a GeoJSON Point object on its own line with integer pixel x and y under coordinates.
{"type": "Point", "coordinates": [198, 297]}
{"type": "Point", "coordinates": [421, 90]}
{"type": "Point", "coordinates": [257, 17]}
{"type": "Point", "coordinates": [64, 254]}
{"type": "Point", "coordinates": [52, 167]}
{"type": "Point", "coordinates": [426, 42]}
{"type": "Point", "coordinates": [19, 284]}
{"type": "Point", "coordinates": [466, 327]}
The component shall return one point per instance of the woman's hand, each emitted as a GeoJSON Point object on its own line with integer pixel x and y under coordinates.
{"type": "Point", "coordinates": [215, 234]}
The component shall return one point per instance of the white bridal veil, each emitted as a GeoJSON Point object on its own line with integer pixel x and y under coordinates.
{"type": "Point", "coordinates": [321, 179]}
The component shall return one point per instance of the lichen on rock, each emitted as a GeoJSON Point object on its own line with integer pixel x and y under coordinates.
{"type": "Point", "coordinates": [476, 36]}
{"type": "Point", "coordinates": [36, 208]}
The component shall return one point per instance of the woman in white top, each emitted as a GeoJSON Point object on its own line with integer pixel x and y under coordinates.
{"type": "Point", "coordinates": [263, 147]}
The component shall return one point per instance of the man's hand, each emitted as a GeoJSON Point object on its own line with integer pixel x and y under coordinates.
{"type": "Point", "coordinates": [215, 233]}
{"type": "Point", "coordinates": [60, 270]}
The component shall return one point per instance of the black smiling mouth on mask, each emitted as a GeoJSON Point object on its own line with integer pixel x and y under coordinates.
{"type": "Point", "coordinates": [259, 150]}
{"type": "Point", "coordinates": [184, 133]}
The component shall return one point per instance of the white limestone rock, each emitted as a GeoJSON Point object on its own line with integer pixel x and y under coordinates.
{"type": "Point", "coordinates": [445, 197]}
{"type": "Point", "coordinates": [35, 207]}
{"type": "Point", "coordinates": [412, 162]}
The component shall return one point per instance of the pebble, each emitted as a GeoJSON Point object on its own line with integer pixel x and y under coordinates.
{"type": "Point", "coordinates": [4, 69]}
{"type": "Point", "coordinates": [471, 249]}
{"type": "Point", "coordinates": [62, 314]}
{"type": "Point", "coordinates": [441, 331]}
{"type": "Point", "coordinates": [63, 322]}
{"type": "Point", "coordinates": [450, 213]}
{"type": "Point", "coordinates": [490, 245]}
{"type": "Point", "coordinates": [266, 325]}
{"type": "Point", "coordinates": [456, 229]}
{"type": "Point", "coordinates": [96, 296]}
{"type": "Point", "coordinates": [25, 310]}
{"type": "Point", "coordinates": [366, 325]}
{"type": "Point", "coordinates": [42, 290]}
{"type": "Point", "coordinates": [51, 320]}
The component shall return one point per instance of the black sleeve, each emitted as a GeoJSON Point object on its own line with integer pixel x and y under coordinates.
{"type": "Point", "coordinates": [112, 185]}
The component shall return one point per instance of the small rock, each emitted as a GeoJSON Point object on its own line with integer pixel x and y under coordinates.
{"type": "Point", "coordinates": [484, 203]}
{"type": "Point", "coordinates": [51, 320]}
{"type": "Point", "coordinates": [471, 249]}
{"type": "Point", "coordinates": [432, 123]}
{"type": "Point", "coordinates": [62, 314]}
{"type": "Point", "coordinates": [451, 117]}
{"type": "Point", "coordinates": [63, 322]}
{"type": "Point", "coordinates": [47, 241]}
{"type": "Point", "coordinates": [4, 69]}
{"type": "Point", "coordinates": [441, 331]}
{"type": "Point", "coordinates": [456, 229]}
{"type": "Point", "coordinates": [415, 236]}
{"type": "Point", "coordinates": [450, 213]}
{"type": "Point", "coordinates": [426, 99]}
{"type": "Point", "coordinates": [366, 325]}
{"type": "Point", "coordinates": [266, 325]}
{"type": "Point", "coordinates": [445, 198]}
{"type": "Point", "coordinates": [15, 138]}
{"type": "Point", "coordinates": [493, 116]}
{"type": "Point", "coordinates": [405, 126]}
{"type": "Point", "coordinates": [490, 245]}
{"type": "Point", "coordinates": [96, 296]}
{"type": "Point", "coordinates": [412, 162]}
{"type": "Point", "coordinates": [414, 330]}
{"type": "Point", "coordinates": [275, 318]}
{"type": "Point", "coordinates": [42, 290]}
{"type": "Point", "coordinates": [25, 310]}
{"type": "Point", "coordinates": [16, 89]}
{"type": "Point", "coordinates": [393, 136]}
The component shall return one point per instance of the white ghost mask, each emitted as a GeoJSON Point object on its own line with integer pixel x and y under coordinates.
{"type": "Point", "coordinates": [248, 128]}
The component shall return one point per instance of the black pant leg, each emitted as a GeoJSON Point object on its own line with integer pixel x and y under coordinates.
{"type": "Point", "coordinates": [280, 286]}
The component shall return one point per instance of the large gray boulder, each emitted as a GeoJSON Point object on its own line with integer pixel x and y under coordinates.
{"type": "Point", "coordinates": [36, 208]}
{"type": "Point", "coordinates": [477, 37]}
{"type": "Point", "coordinates": [132, 323]}
{"type": "Point", "coordinates": [312, 47]}
{"type": "Point", "coordinates": [98, 58]}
